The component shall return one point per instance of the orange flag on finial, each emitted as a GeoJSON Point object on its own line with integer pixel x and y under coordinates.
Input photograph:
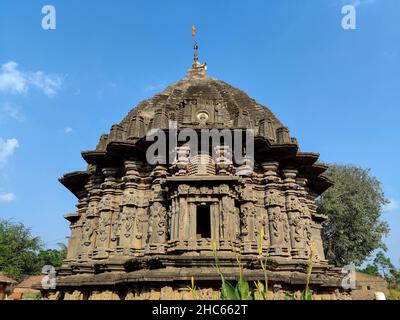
{"type": "Point", "coordinates": [193, 31]}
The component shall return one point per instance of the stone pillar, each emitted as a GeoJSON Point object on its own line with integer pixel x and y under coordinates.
{"type": "Point", "coordinates": [109, 211]}
{"type": "Point", "coordinates": [158, 213]}
{"type": "Point", "coordinates": [125, 230]}
{"type": "Point", "coordinates": [89, 233]}
{"type": "Point", "coordinates": [73, 242]}
{"type": "Point", "coordinates": [157, 228]}
{"type": "Point", "coordinates": [183, 214]}
{"type": "Point", "coordinates": [229, 220]}
{"type": "Point", "coordinates": [89, 219]}
{"type": "Point", "coordinates": [76, 230]}
{"type": "Point", "coordinates": [305, 215]}
{"type": "Point", "coordinates": [274, 203]}
{"type": "Point", "coordinates": [174, 218]}
{"type": "Point", "coordinates": [294, 210]}
{"type": "Point", "coordinates": [125, 226]}
{"type": "Point", "coordinates": [248, 218]}
{"type": "Point", "coordinates": [192, 210]}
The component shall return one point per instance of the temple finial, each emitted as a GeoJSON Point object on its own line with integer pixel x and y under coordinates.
{"type": "Point", "coordinates": [196, 63]}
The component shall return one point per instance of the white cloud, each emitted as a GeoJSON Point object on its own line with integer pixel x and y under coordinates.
{"type": "Point", "coordinates": [392, 206]}
{"type": "Point", "coordinates": [68, 130]}
{"type": "Point", "coordinates": [7, 197]}
{"type": "Point", "coordinates": [48, 84]}
{"type": "Point", "coordinates": [11, 111]}
{"type": "Point", "coordinates": [14, 81]}
{"type": "Point", "coordinates": [11, 79]}
{"type": "Point", "coordinates": [7, 148]}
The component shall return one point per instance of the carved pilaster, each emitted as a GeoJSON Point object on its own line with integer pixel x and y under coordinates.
{"type": "Point", "coordinates": [248, 217]}
{"type": "Point", "coordinates": [157, 231]}
{"type": "Point", "coordinates": [294, 209]}
{"type": "Point", "coordinates": [274, 203]}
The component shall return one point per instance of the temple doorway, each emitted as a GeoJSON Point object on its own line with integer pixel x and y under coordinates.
{"type": "Point", "coordinates": [203, 221]}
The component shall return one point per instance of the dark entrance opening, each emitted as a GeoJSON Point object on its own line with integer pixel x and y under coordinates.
{"type": "Point", "coordinates": [203, 223]}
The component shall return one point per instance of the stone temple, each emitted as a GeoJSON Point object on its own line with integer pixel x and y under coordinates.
{"type": "Point", "coordinates": [142, 231]}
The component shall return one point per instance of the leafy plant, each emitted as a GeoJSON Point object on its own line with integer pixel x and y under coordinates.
{"type": "Point", "coordinates": [32, 296]}
{"type": "Point", "coordinates": [290, 296]}
{"type": "Point", "coordinates": [228, 291]}
{"type": "Point", "coordinates": [242, 285]}
{"type": "Point", "coordinates": [193, 289]}
{"type": "Point", "coordinates": [242, 290]}
{"type": "Point", "coordinates": [307, 293]}
{"type": "Point", "coordinates": [262, 288]}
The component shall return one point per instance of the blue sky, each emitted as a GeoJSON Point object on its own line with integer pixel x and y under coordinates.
{"type": "Point", "coordinates": [337, 90]}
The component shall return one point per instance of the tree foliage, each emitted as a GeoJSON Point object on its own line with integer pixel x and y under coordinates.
{"type": "Point", "coordinates": [354, 206]}
{"type": "Point", "coordinates": [18, 249]}
{"type": "Point", "coordinates": [52, 257]}
{"type": "Point", "coordinates": [383, 266]}
{"type": "Point", "coordinates": [23, 254]}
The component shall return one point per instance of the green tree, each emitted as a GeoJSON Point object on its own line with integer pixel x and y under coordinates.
{"type": "Point", "coordinates": [387, 270]}
{"type": "Point", "coordinates": [354, 206]}
{"type": "Point", "coordinates": [383, 264]}
{"type": "Point", "coordinates": [53, 257]}
{"type": "Point", "coordinates": [370, 269]}
{"type": "Point", "coordinates": [18, 250]}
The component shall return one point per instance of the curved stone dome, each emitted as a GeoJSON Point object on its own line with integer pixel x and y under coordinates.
{"type": "Point", "coordinates": [199, 101]}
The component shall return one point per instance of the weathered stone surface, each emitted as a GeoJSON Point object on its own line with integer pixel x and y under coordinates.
{"type": "Point", "coordinates": [149, 228]}
{"type": "Point", "coordinates": [367, 286]}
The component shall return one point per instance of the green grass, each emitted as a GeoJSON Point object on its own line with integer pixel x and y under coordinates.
{"type": "Point", "coordinates": [394, 294]}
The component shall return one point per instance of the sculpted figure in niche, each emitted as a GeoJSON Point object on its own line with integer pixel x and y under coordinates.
{"type": "Point", "coordinates": [284, 222]}
{"type": "Point", "coordinates": [248, 212]}
{"type": "Point", "coordinates": [126, 225]}
{"type": "Point", "coordinates": [157, 224]}
{"type": "Point", "coordinates": [226, 218]}
{"type": "Point", "coordinates": [115, 227]}
{"type": "Point", "coordinates": [277, 222]}
{"type": "Point", "coordinates": [88, 230]}
{"type": "Point", "coordinates": [102, 231]}
{"type": "Point", "coordinates": [141, 224]}
{"type": "Point", "coordinates": [297, 228]}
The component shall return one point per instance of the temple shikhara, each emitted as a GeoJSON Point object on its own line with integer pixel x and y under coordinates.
{"type": "Point", "coordinates": [142, 230]}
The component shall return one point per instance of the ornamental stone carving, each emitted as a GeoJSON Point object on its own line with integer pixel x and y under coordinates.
{"type": "Point", "coordinates": [139, 226]}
